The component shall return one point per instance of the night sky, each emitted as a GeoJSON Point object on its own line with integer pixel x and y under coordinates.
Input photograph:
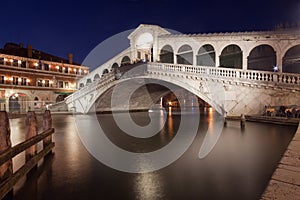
{"type": "Point", "coordinates": [60, 27]}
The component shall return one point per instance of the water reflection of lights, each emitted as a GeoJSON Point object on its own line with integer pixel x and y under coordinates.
{"type": "Point", "coordinates": [149, 186]}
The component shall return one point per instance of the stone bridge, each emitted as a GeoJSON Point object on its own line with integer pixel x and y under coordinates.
{"type": "Point", "coordinates": [236, 73]}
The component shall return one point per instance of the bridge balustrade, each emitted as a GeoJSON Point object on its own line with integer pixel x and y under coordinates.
{"type": "Point", "coordinates": [227, 73]}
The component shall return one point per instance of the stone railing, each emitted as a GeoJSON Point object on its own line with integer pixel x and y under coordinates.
{"type": "Point", "coordinates": [229, 73]}
{"type": "Point", "coordinates": [96, 84]}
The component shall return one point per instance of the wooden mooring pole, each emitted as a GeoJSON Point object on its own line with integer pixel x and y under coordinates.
{"type": "Point", "coordinates": [6, 169]}
{"type": "Point", "coordinates": [31, 132]}
{"type": "Point", "coordinates": [47, 124]}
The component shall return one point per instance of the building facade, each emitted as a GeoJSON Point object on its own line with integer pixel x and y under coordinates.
{"type": "Point", "coordinates": [30, 79]}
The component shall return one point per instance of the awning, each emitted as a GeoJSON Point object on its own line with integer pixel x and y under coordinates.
{"type": "Point", "coordinates": [63, 93]}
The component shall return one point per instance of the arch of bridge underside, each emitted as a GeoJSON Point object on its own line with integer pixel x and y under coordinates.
{"type": "Point", "coordinates": [206, 94]}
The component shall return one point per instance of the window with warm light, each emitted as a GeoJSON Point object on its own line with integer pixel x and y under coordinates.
{"type": "Point", "coordinates": [46, 67]}
{"type": "Point", "coordinates": [15, 80]}
{"type": "Point", "coordinates": [39, 83]}
{"type": "Point", "coordinates": [2, 79]}
{"type": "Point", "coordinates": [23, 64]}
{"type": "Point", "coordinates": [60, 84]}
{"type": "Point", "coordinates": [23, 81]}
{"type": "Point", "coordinates": [66, 84]}
{"type": "Point", "coordinates": [47, 83]}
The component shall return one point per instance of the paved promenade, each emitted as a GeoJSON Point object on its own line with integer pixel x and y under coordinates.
{"type": "Point", "coordinates": [285, 182]}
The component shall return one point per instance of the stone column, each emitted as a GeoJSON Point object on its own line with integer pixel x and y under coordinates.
{"type": "Point", "coordinates": [279, 61]}
{"type": "Point", "coordinates": [244, 60]}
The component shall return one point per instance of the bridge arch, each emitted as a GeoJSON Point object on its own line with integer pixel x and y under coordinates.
{"type": "Point", "coordinates": [96, 77]}
{"type": "Point", "coordinates": [114, 66]}
{"type": "Point", "coordinates": [291, 60]}
{"type": "Point", "coordinates": [88, 81]}
{"type": "Point", "coordinates": [125, 60]}
{"type": "Point", "coordinates": [262, 57]}
{"type": "Point", "coordinates": [231, 57]}
{"type": "Point", "coordinates": [105, 71]}
{"type": "Point", "coordinates": [166, 54]}
{"type": "Point", "coordinates": [206, 56]}
{"type": "Point", "coordinates": [185, 55]}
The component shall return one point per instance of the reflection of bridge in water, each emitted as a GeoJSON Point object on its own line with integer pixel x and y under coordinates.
{"type": "Point", "coordinates": [233, 72]}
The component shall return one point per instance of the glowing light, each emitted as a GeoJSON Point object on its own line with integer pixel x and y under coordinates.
{"type": "Point", "coordinates": [43, 81]}
{"type": "Point", "coordinates": [36, 64]}
{"type": "Point", "coordinates": [51, 82]}
{"type": "Point", "coordinates": [170, 103]}
{"type": "Point", "coordinates": [16, 94]}
{"type": "Point", "coordinates": [11, 60]}
{"type": "Point", "coordinates": [11, 78]}
{"type": "Point", "coordinates": [276, 68]}
{"type": "Point", "coordinates": [75, 69]}
{"type": "Point", "coordinates": [28, 80]}
{"type": "Point", "coordinates": [5, 78]}
{"type": "Point", "coordinates": [19, 61]}
{"type": "Point", "coordinates": [57, 67]}
{"type": "Point", "coordinates": [5, 59]}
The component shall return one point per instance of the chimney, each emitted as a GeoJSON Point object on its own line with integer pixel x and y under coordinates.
{"type": "Point", "coordinates": [29, 51]}
{"type": "Point", "coordinates": [70, 56]}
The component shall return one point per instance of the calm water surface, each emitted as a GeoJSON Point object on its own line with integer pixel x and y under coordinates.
{"type": "Point", "coordinates": [238, 167]}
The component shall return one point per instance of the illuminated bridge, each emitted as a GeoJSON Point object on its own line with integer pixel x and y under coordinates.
{"type": "Point", "coordinates": [237, 73]}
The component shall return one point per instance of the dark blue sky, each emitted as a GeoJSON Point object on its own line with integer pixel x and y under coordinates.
{"type": "Point", "coordinates": [60, 27]}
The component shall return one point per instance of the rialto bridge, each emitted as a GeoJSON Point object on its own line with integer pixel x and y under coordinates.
{"type": "Point", "coordinates": [236, 73]}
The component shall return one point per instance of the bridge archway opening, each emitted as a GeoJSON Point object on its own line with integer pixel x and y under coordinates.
{"type": "Point", "coordinates": [185, 55]}
{"type": "Point", "coordinates": [96, 77]}
{"type": "Point", "coordinates": [151, 95]}
{"type": "Point", "coordinates": [88, 81]}
{"type": "Point", "coordinates": [166, 54]}
{"type": "Point", "coordinates": [115, 66]}
{"type": "Point", "coordinates": [144, 47]}
{"type": "Point", "coordinates": [206, 56]}
{"type": "Point", "coordinates": [125, 61]}
{"type": "Point", "coordinates": [262, 57]}
{"type": "Point", "coordinates": [105, 71]}
{"type": "Point", "coordinates": [291, 60]}
{"type": "Point", "coordinates": [231, 57]}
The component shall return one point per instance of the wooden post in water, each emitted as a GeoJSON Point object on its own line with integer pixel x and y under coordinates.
{"type": "Point", "coordinates": [243, 121]}
{"type": "Point", "coordinates": [47, 124]}
{"type": "Point", "coordinates": [6, 169]}
{"type": "Point", "coordinates": [31, 132]}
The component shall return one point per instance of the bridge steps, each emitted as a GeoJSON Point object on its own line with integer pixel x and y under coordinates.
{"type": "Point", "coordinates": [285, 182]}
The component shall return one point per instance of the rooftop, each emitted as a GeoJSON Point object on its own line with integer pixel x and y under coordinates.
{"type": "Point", "coordinates": [18, 50]}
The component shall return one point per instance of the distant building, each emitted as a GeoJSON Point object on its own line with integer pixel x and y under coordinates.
{"type": "Point", "coordinates": [30, 79]}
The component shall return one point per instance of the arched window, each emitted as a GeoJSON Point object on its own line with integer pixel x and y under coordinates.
{"type": "Point", "coordinates": [231, 57]}
{"type": "Point", "coordinates": [185, 55]}
{"type": "Point", "coordinates": [166, 54]}
{"type": "Point", "coordinates": [88, 81]}
{"type": "Point", "coordinates": [291, 60]}
{"type": "Point", "coordinates": [125, 61]}
{"type": "Point", "coordinates": [96, 77]}
{"type": "Point", "coordinates": [262, 57]}
{"type": "Point", "coordinates": [114, 66]}
{"type": "Point", "coordinates": [105, 71]}
{"type": "Point", "coordinates": [206, 56]}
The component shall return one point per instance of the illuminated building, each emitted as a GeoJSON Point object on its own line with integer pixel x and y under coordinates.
{"type": "Point", "coordinates": [30, 79]}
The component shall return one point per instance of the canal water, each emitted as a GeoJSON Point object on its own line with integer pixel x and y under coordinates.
{"type": "Point", "coordinates": [238, 167]}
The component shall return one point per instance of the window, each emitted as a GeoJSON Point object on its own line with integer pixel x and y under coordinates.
{"type": "Point", "coordinates": [39, 65]}
{"type": "Point", "coordinates": [23, 64]}
{"type": "Point", "coordinates": [23, 81]}
{"type": "Point", "coordinates": [139, 55]}
{"type": "Point", "coordinates": [15, 63]}
{"type": "Point", "coordinates": [39, 83]}
{"type": "Point", "coordinates": [66, 69]}
{"type": "Point", "coordinates": [46, 67]}
{"type": "Point", "coordinates": [15, 80]}
{"type": "Point", "coordinates": [1, 61]}
{"type": "Point", "coordinates": [2, 79]}
{"type": "Point", "coordinates": [60, 84]}
{"type": "Point", "coordinates": [60, 68]}
{"type": "Point", "coordinates": [47, 83]}
{"type": "Point", "coordinates": [66, 84]}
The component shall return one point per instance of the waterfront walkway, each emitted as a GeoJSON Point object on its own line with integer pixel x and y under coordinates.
{"type": "Point", "coordinates": [285, 182]}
